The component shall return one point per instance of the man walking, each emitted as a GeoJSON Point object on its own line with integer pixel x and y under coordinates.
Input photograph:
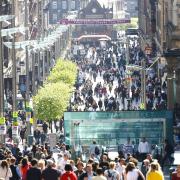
{"type": "Point", "coordinates": [50, 173]}
{"type": "Point", "coordinates": [34, 173]}
{"type": "Point", "coordinates": [143, 149]}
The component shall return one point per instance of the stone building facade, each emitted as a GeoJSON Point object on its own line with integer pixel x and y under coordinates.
{"type": "Point", "coordinates": [159, 24]}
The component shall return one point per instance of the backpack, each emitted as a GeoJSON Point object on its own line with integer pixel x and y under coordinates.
{"type": "Point", "coordinates": [110, 175]}
{"type": "Point", "coordinates": [97, 150]}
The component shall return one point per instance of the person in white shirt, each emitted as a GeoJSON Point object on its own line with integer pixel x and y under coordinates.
{"type": "Point", "coordinates": [63, 162]}
{"type": "Point", "coordinates": [5, 171]}
{"type": "Point", "coordinates": [120, 167]}
{"type": "Point", "coordinates": [132, 173]}
{"type": "Point", "coordinates": [143, 149]}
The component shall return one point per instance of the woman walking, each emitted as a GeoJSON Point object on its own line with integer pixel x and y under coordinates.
{"type": "Point", "coordinates": [5, 171]}
{"type": "Point", "coordinates": [132, 173]}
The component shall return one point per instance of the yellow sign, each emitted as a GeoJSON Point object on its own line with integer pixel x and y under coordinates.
{"type": "Point", "coordinates": [2, 120]}
{"type": "Point", "coordinates": [31, 120]}
{"type": "Point", "coordinates": [15, 114]}
{"type": "Point", "coordinates": [142, 106]}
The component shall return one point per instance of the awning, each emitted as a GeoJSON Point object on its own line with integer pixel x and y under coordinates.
{"type": "Point", "coordinates": [97, 36]}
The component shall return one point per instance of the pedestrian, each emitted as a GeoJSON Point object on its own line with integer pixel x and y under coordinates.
{"type": "Point", "coordinates": [88, 174]}
{"type": "Point", "coordinates": [45, 127]}
{"type": "Point", "coordinates": [24, 168]}
{"type": "Point", "coordinates": [22, 134]}
{"type": "Point", "coordinates": [111, 173]}
{"type": "Point", "coordinates": [128, 148]}
{"type": "Point", "coordinates": [100, 104]}
{"type": "Point", "coordinates": [168, 151]}
{"type": "Point", "coordinates": [120, 167]}
{"type": "Point", "coordinates": [37, 135]}
{"type": "Point", "coordinates": [143, 149]}
{"type": "Point", "coordinates": [50, 172]}
{"type": "Point", "coordinates": [80, 169]}
{"type": "Point", "coordinates": [34, 173]}
{"type": "Point", "coordinates": [5, 171]}
{"type": "Point", "coordinates": [176, 174]}
{"type": "Point", "coordinates": [132, 173]}
{"type": "Point", "coordinates": [16, 174]}
{"type": "Point", "coordinates": [69, 174]}
{"type": "Point", "coordinates": [155, 172]}
{"type": "Point", "coordinates": [100, 175]}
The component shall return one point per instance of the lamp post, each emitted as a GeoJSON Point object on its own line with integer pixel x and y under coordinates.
{"type": "Point", "coordinates": [143, 83]}
{"type": "Point", "coordinates": [14, 61]}
{"type": "Point", "coordinates": [127, 50]}
{"type": "Point", "coordinates": [1, 73]}
{"type": "Point", "coordinates": [27, 54]}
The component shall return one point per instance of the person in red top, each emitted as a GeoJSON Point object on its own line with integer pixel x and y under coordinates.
{"type": "Point", "coordinates": [176, 174]}
{"type": "Point", "coordinates": [69, 174]}
{"type": "Point", "coordinates": [24, 168]}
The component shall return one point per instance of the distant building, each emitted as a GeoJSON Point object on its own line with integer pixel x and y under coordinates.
{"type": "Point", "coordinates": [94, 10]}
{"type": "Point", "coordinates": [59, 9]}
{"type": "Point", "coordinates": [83, 3]}
{"type": "Point", "coordinates": [132, 7]}
{"type": "Point", "coordinates": [118, 7]}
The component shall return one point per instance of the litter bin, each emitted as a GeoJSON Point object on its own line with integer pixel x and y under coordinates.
{"type": "Point", "coordinates": [30, 140]}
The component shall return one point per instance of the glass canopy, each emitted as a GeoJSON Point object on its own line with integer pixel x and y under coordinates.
{"type": "Point", "coordinates": [113, 128]}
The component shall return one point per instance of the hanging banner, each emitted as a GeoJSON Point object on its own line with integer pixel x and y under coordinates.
{"type": "Point", "coordinates": [2, 129]}
{"type": "Point", "coordinates": [15, 130]}
{"type": "Point", "coordinates": [94, 21]}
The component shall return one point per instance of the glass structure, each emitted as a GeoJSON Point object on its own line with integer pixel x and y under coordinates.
{"type": "Point", "coordinates": [113, 128]}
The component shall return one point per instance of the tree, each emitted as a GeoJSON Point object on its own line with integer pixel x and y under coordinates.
{"type": "Point", "coordinates": [65, 71]}
{"type": "Point", "coordinates": [53, 98]}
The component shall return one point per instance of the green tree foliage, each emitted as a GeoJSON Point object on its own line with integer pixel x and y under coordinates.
{"type": "Point", "coordinates": [52, 99]}
{"type": "Point", "coordinates": [133, 24]}
{"type": "Point", "coordinates": [65, 71]}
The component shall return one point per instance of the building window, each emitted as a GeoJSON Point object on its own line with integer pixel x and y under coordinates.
{"type": "Point", "coordinates": [54, 5]}
{"type": "Point", "coordinates": [54, 17]}
{"type": "Point", "coordinates": [64, 5]}
{"type": "Point", "coordinates": [73, 5]}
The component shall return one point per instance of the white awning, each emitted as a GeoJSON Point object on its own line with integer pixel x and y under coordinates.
{"type": "Point", "coordinates": [94, 36]}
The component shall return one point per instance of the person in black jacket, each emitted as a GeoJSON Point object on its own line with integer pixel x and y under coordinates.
{"type": "Point", "coordinates": [34, 173]}
{"type": "Point", "coordinates": [16, 175]}
{"type": "Point", "coordinates": [168, 151]}
{"type": "Point", "coordinates": [88, 174]}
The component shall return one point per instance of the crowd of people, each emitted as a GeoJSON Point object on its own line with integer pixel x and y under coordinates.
{"type": "Point", "coordinates": [106, 83]}
{"type": "Point", "coordinates": [41, 162]}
